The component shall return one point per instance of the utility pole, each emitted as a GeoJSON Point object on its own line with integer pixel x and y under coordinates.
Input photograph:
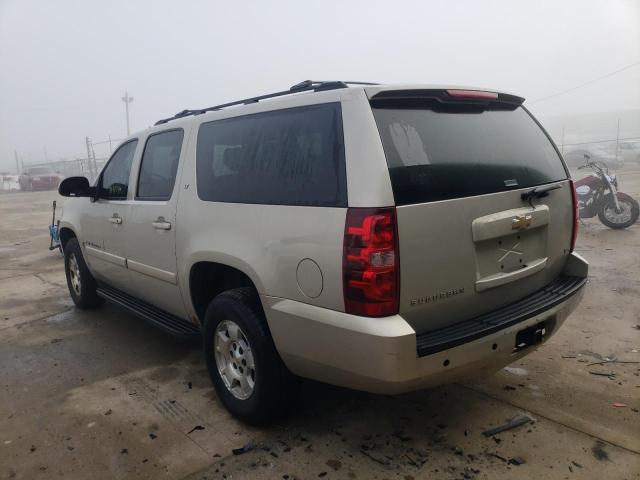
{"type": "Point", "coordinates": [127, 100]}
{"type": "Point", "coordinates": [91, 159]}
{"type": "Point", "coordinates": [15, 154]}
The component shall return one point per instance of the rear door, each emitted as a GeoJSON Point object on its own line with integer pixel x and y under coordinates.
{"type": "Point", "coordinates": [151, 255]}
{"type": "Point", "coordinates": [459, 165]}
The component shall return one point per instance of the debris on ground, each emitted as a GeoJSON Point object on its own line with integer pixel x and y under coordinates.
{"type": "Point", "coordinates": [153, 436]}
{"type": "Point", "coordinates": [495, 455]}
{"type": "Point", "coordinates": [197, 427]}
{"type": "Point", "coordinates": [511, 424]}
{"type": "Point", "coordinates": [247, 447]}
{"type": "Point", "coordinates": [381, 461]}
{"type": "Point", "coordinates": [618, 404]}
{"type": "Point", "coordinates": [517, 461]}
{"type": "Point", "coordinates": [604, 374]}
{"type": "Point", "coordinates": [108, 412]}
{"type": "Point", "coordinates": [520, 372]}
{"type": "Point", "coordinates": [599, 451]}
{"type": "Point", "coordinates": [610, 361]}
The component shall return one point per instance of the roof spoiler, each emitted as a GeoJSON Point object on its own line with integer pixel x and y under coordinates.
{"type": "Point", "coordinates": [449, 96]}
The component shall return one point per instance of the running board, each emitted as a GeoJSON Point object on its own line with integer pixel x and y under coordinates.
{"type": "Point", "coordinates": [165, 321]}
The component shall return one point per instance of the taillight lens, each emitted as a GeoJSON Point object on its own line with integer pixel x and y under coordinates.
{"type": "Point", "coordinates": [576, 215]}
{"type": "Point", "coordinates": [370, 264]}
{"type": "Point", "coordinates": [472, 95]}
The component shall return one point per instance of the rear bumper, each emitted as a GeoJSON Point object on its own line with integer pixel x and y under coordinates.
{"type": "Point", "coordinates": [384, 355]}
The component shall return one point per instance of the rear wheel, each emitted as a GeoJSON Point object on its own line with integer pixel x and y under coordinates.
{"type": "Point", "coordinates": [626, 216]}
{"type": "Point", "coordinates": [245, 368]}
{"type": "Point", "coordinates": [82, 285]}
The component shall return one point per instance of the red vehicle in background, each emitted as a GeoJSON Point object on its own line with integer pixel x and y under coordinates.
{"type": "Point", "coordinates": [39, 178]}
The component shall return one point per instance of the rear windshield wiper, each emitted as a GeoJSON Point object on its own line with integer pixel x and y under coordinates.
{"type": "Point", "coordinates": [538, 192]}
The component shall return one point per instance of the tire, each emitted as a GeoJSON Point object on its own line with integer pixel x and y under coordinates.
{"type": "Point", "coordinates": [82, 285]}
{"type": "Point", "coordinates": [255, 395]}
{"type": "Point", "coordinates": [631, 210]}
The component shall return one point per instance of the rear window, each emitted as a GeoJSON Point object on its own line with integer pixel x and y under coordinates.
{"type": "Point", "coordinates": [440, 153]}
{"type": "Point", "coordinates": [159, 165]}
{"type": "Point", "coordinates": [285, 157]}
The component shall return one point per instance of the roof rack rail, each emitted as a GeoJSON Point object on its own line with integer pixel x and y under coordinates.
{"type": "Point", "coordinates": [304, 86]}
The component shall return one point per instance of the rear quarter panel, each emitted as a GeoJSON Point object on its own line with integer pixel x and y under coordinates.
{"type": "Point", "coordinates": [268, 242]}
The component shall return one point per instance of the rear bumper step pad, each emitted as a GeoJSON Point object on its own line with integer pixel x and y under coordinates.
{"type": "Point", "coordinates": [169, 323]}
{"type": "Point", "coordinates": [556, 292]}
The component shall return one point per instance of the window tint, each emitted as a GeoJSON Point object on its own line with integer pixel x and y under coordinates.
{"type": "Point", "coordinates": [286, 157]}
{"type": "Point", "coordinates": [115, 177]}
{"type": "Point", "coordinates": [437, 154]}
{"type": "Point", "coordinates": [159, 165]}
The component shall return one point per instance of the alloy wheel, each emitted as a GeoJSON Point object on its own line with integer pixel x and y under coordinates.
{"type": "Point", "coordinates": [74, 274]}
{"type": "Point", "coordinates": [234, 359]}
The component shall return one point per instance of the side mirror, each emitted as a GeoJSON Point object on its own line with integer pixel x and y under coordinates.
{"type": "Point", "coordinates": [76, 187]}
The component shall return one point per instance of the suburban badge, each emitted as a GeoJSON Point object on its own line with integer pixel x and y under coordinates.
{"type": "Point", "coordinates": [436, 296]}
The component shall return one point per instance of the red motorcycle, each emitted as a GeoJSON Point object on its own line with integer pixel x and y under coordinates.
{"type": "Point", "coordinates": [598, 195]}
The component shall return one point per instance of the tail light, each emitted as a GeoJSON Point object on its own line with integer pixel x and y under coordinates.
{"type": "Point", "coordinates": [370, 263]}
{"type": "Point", "coordinates": [576, 214]}
{"type": "Point", "coordinates": [472, 95]}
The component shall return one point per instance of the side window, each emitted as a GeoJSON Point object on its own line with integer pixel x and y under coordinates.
{"type": "Point", "coordinates": [115, 177]}
{"type": "Point", "coordinates": [159, 165]}
{"type": "Point", "coordinates": [285, 157]}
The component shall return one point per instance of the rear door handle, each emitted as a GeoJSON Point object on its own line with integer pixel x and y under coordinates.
{"type": "Point", "coordinates": [116, 220]}
{"type": "Point", "coordinates": [161, 224]}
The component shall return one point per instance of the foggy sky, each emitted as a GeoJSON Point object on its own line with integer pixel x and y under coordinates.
{"type": "Point", "coordinates": [64, 65]}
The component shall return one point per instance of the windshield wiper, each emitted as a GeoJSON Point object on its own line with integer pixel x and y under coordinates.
{"type": "Point", "coordinates": [538, 192]}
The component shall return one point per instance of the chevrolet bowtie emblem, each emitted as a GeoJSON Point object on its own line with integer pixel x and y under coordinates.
{"type": "Point", "coordinates": [521, 222]}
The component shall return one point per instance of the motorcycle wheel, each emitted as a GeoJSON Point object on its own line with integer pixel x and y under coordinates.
{"type": "Point", "coordinates": [627, 216]}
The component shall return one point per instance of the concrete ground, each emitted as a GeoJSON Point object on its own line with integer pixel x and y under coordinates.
{"type": "Point", "coordinates": [104, 395]}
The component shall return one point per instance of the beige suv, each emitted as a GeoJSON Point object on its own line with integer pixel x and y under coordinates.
{"type": "Point", "coordinates": [382, 238]}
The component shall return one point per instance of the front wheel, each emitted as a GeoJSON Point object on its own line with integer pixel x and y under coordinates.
{"type": "Point", "coordinates": [249, 377]}
{"type": "Point", "coordinates": [623, 218]}
{"type": "Point", "coordinates": [82, 285]}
